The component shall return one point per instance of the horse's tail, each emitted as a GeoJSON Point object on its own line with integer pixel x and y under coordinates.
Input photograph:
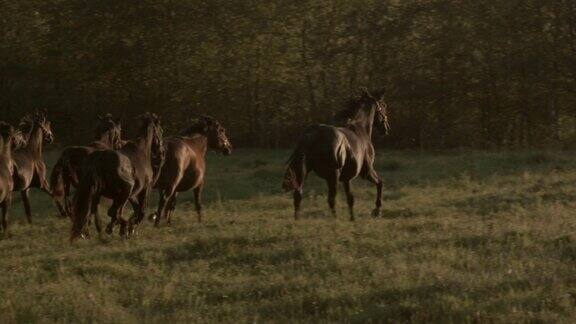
{"type": "Point", "coordinates": [295, 170]}
{"type": "Point", "coordinates": [57, 185]}
{"type": "Point", "coordinates": [82, 204]}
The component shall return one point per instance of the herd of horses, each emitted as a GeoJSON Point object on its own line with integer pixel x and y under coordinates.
{"type": "Point", "coordinates": [127, 171]}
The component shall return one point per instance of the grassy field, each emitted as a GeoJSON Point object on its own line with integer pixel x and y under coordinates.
{"type": "Point", "coordinates": [464, 237]}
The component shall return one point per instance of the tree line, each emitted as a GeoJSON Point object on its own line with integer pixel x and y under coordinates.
{"type": "Point", "coordinates": [486, 74]}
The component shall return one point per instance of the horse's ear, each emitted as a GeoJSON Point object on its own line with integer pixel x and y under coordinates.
{"type": "Point", "coordinates": [364, 92]}
{"type": "Point", "coordinates": [380, 94]}
{"type": "Point", "coordinates": [118, 121]}
{"type": "Point", "coordinates": [43, 113]}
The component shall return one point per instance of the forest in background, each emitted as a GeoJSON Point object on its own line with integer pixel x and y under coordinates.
{"type": "Point", "coordinates": [487, 74]}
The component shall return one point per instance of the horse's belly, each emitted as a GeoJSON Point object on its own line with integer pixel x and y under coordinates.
{"type": "Point", "coordinates": [350, 170]}
{"type": "Point", "coordinates": [190, 181]}
{"type": "Point", "coordinates": [21, 181]}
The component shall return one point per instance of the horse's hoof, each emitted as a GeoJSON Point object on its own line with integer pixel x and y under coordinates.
{"type": "Point", "coordinates": [376, 213]}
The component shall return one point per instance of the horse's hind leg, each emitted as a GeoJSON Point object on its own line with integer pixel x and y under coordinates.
{"type": "Point", "coordinates": [115, 213]}
{"type": "Point", "coordinates": [349, 199]}
{"type": "Point", "coordinates": [26, 202]}
{"type": "Point", "coordinates": [97, 222]}
{"type": "Point", "coordinates": [333, 191]}
{"type": "Point", "coordinates": [139, 212]}
{"type": "Point", "coordinates": [4, 221]}
{"type": "Point", "coordinates": [165, 197]}
{"type": "Point", "coordinates": [297, 202]}
{"type": "Point", "coordinates": [198, 201]}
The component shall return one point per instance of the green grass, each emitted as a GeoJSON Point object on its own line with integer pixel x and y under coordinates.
{"type": "Point", "coordinates": [465, 237]}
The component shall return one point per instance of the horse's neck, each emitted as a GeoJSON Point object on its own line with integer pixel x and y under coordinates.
{"type": "Point", "coordinates": [106, 139]}
{"type": "Point", "coordinates": [35, 142]}
{"type": "Point", "coordinates": [363, 122]}
{"type": "Point", "coordinates": [5, 150]}
{"type": "Point", "coordinates": [144, 143]}
{"type": "Point", "coordinates": [199, 143]}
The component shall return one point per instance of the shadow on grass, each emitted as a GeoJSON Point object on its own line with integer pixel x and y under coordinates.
{"type": "Point", "coordinates": [494, 203]}
{"type": "Point", "coordinates": [427, 303]}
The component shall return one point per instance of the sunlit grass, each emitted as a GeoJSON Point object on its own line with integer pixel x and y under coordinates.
{"type": "Point", "coordinates": [465, 236]}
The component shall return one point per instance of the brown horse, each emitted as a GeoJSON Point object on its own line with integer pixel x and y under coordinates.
{"type": "Point", "coordinates": [66, 171]}
{"type": "Point", "coordinates": [124, 175]}
{"type": "Point", "coordinates": [29, 166]}
{"type": "Point", "coordinates": [185, 164]}
{"type": "Point", "coordinates": [6, 172]}
{"type": "Point", "coordinates": [340, 153]}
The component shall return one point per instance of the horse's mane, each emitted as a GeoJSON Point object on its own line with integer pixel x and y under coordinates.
{"type": "Point", "coordinates": [19, 139]}
{"type": "Point", "coordinates": [352, 107]}
{"type": "Point", "coordinates": [199, 126]}
{"type": "Point", "coordinates": [26, 124]}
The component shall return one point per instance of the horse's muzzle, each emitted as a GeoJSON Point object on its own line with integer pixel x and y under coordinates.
{"type": "Point", "coordinates": [227, 150]}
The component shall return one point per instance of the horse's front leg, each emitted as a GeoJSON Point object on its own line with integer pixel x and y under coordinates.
{"type": "Point", "coordinates": [373, 177]}
{"type": "Point", "coordinates": [41, 174]}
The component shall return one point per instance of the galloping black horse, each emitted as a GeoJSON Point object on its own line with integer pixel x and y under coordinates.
{"type": "Point", "coordinates": [185, 163]}
{"type": "Point", "coordinates": [29, 166]}
{"type": "Point", "coordinates": [66, 171]}
{"type": "Point", "coordinates": [340, 153]}
{"type": "Point", "coordinates": [128, 174]}
{"type": "Point", "coordinates": [6, 170]}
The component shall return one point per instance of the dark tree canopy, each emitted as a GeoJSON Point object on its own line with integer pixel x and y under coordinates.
{"type": "Point", "coordinates": [482, 74]}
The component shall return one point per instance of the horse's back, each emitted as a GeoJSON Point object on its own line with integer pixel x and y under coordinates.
{"type": "Point", "coordinates": [329, 149]}
{"type": "Point", "coordinates": [325, 148]}
{"type": "Point", "coordinates": [75, 156]}
{"type": "Point", "coordinates": [113, 167]}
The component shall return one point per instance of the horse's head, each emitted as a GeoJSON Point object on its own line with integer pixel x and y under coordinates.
{"type": "Point", "coordinates": [216, 134]}
{"type": "Point", "coordinates": [151, 124]}
{"type": "Point", "coordinates": [38, 120]}
{"type": "Point", "coordinates": [376, 101]}
{"type": "Point", "coordinates": [112, 127]}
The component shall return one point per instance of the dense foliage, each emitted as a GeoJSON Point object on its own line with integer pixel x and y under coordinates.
{"type": "Point", "coordinates": [484, 73]}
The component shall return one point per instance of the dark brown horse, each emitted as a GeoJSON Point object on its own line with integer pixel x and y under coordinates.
{"type": "Point", "coordinates": [124, 175]}
{"type": "Point", "coordinates": [29, 166]}
{"type": "Point", "coordinates": [340, 153]}
{"type": "Point", "coordinates": [6, 172]}
{"type": "Point", "coordinates": [66, 171]}
{"type": "Point", "coordinates": [185, 163]}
